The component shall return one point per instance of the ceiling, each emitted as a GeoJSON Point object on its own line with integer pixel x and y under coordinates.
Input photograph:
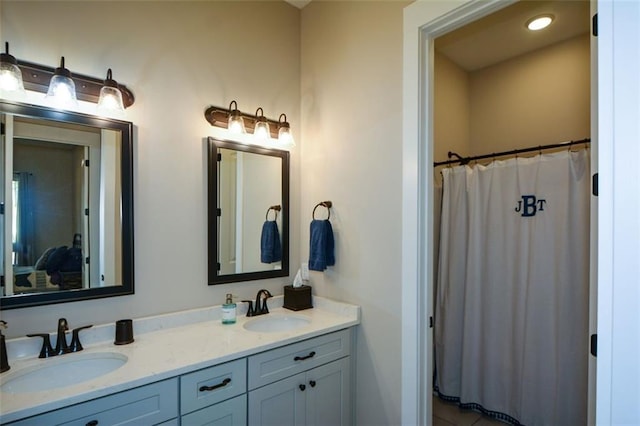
{"type": "Point", "coordinates": [503, 34]}
{"type": "Point", "coordinates": [298, 3]}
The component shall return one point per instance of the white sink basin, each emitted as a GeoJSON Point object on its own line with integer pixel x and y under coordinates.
{"type": "Point", "coordinates": [273, 323]}
{"type": "Point", "coordinates": [61, 371]}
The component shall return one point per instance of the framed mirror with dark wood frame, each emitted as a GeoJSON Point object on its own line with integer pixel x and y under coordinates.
{"type": "Point", "coordinates": [248, 212]}
{"type": "Point", "coordinates": [66, 196]}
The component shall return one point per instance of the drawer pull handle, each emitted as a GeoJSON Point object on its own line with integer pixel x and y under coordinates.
{"type": "Point", "coordinates": [312, 383]}
{"type": "Point", "coordinates": [92, 423]}
{"type": "Point", "coordinates": [224, 383]}
{"type": "Point", "coordinates": [302, 387]}
{"type": "Point", "coordinates": [302, 358]}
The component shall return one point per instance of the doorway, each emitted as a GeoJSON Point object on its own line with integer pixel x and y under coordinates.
{"type": "Point", "coordinates": [424, 23]}
{"type": "Point", "coordinates": [499, 87]}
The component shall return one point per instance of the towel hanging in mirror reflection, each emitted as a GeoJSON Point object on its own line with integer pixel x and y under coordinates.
{"type": "Point", "coordinates": [270, 245]}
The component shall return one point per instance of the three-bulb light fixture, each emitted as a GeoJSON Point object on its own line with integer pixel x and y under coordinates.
{"type": "Point", "coordinates": [265, 131]}
{"type": "Point", "coordinates": [62, 89]}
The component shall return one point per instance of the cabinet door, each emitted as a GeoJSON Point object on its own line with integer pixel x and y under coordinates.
{"type": "Point", "coordinates": [285, 361]}
{"type": "Point", "coordinates": [146, 405]}
{"type": "Point", "coordinates": [279, 404]}
{"type": "Point", "coordinates": [328, 394]}
{"type": "Point", "coordinates": [228, 413]}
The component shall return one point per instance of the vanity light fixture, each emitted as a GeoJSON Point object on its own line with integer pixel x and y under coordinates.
{"type": "Point", "coordinates": [261, 130]}
{"type": "Point", "coordinates": [284, 131]}
{"type": "Point", "coordinates": [110, 96]}
{"type": "Point", "coordinates": [10, 74]}
{"type": "Point", "coordinates": [264, 130]}
{"type": "Point", "coordinates": [539, 22]}
{"type": "Point", "coordinates": [62, 89]}
{"type": "Point", "coordinates": [44, 79]}
{"type": "Point", "coordinates": [236, 122]}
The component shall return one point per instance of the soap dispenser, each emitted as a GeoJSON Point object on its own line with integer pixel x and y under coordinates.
{"type": "Point", "coordinates": [229, 311]}
{"type": "Point", "coordinates": [4, 360]}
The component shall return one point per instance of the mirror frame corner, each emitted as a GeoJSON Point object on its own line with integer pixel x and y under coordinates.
{"type": "Point", "coordinates": [126, 129]}
{"type": "Point", "coordinates": [213, 145]}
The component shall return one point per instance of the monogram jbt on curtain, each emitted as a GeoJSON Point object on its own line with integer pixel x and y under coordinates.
{"type": "Point", "coordinates": [512, 292]}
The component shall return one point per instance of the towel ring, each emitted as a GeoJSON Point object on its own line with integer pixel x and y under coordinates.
{"type": "Point", "coordinates": [276, 209]}
{"type": "Point", "coordinates": [326, 204]}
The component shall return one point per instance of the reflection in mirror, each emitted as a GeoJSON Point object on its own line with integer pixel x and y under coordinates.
{"type": "Point", "coordinates": [248, 212]}
{"type": "Point", "coordinates": [66, 227]}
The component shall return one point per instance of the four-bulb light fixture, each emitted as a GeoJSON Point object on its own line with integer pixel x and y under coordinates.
{"type": "Point", "coordinates": [264, 130]}
{"type": "Point", "coordinates": [62, 89]}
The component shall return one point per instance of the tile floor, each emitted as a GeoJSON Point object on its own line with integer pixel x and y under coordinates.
{"type": "Point", "coordinates": [447, 414]}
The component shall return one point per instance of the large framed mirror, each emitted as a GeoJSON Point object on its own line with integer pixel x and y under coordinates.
{"type": "Point", "coordinates": [248, 212]}
{"type": "Point", "coordinates": [66, 195]}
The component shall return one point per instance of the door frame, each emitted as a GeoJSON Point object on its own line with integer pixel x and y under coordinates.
{"type": "Point", "coordinates": [423, 22]}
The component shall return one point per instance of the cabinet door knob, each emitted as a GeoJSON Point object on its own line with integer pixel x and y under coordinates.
{"type": "Point", "coordinates": [302, 387]}
{"type": "Point", "coordinates": [92, 423]}
{"type": "Point", "coordinates": [312, 383]}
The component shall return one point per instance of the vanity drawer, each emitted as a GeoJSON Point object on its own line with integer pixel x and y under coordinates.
{"type": "Point", "coordinates": [276, 364]}
{"type": "Point", "coordinates": [211, 385]}
{"type": "Point", "coordinates": [232, 412]}
{"type": "Point", "coordinates": [149, 405]}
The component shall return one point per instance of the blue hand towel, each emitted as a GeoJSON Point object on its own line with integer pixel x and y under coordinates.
{"type": "Point", "coordinates": [321, 250]}
{"type": "Point", "coordinates": [270, 247]}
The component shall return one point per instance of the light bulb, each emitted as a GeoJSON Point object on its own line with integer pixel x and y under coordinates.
{"type": "Point", "coordinates": [62, 89]}
{"type": "Point", "coordinates": [235, 122]}
{"type": "Point", "coordinates": [11, 85]}
{"type": "Point", "coordinates": [261, 131]}
{"type": "Point", "coordinates": [8, 78]}
{"type": "Point", "coordinates": [110, 96]}
{"type": "Point", "coordinates": [285, 138]}
{"type": "Point", "coordinates": [539, 22]}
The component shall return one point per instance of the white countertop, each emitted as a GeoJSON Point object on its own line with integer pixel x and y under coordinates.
{"type": "Point", "coordinates": [165, 346]}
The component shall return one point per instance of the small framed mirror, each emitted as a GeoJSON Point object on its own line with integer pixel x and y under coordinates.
{"type": "Point", "coordinates": [66, 212]}
{"type": "Point", "coordinates": [248, 212]}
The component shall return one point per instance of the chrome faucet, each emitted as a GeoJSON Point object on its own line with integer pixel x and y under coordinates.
{"type": "Point", "coordinates": [262, 296]}
{"type": "Point", "coordinates": [61, 340]}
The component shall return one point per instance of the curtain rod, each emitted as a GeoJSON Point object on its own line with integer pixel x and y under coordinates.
{"type": "Point", "coordinates": [466, 160]}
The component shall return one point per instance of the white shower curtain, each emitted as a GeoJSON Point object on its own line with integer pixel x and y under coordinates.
{"type": "Point", "coordinates": [511, 334]}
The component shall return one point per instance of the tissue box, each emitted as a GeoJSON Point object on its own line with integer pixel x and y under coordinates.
{"type": "Point", "coordinates": [297, 298]}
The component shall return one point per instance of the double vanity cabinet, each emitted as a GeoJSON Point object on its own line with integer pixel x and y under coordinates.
{"type": "Point", "coordinates": [303, 381]}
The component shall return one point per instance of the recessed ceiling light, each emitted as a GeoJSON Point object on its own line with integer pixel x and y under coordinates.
{"type": "Point", "coordinates": [539, 22]}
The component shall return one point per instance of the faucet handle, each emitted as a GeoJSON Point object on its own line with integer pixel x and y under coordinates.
{"type": "Point", "coordinates": [63, 324]}
{"type": "Point", "coordinates": [76, 346]}
{"type": "Point", "coordinates": [250, 311]}
{"type": "Point", "coordinates": [4, 359]}
{"type": "Point", "coordinates": [46, 351]}
{"type": "Point", "coordinates": [61, 338]}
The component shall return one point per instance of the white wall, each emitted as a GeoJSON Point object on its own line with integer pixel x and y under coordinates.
{"type": "Point", "coordinates": [177, 58]}
{"type": "Point", "coordinates": [352, 155]}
